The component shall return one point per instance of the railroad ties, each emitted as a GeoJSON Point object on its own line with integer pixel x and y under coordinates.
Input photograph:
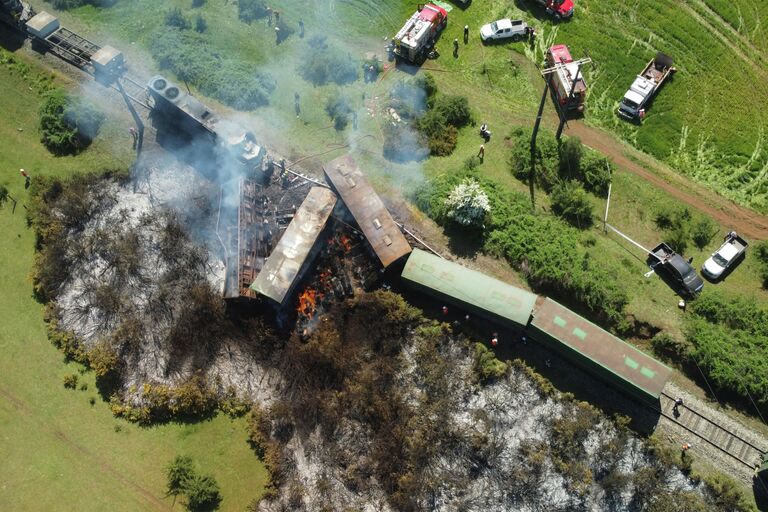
{"type": "Point", "coordinates": [712, 433]}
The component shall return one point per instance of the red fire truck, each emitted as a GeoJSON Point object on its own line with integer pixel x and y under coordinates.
{"type": "Point", "coordinates": [561, 79]}
{"type": "Point", "coordinates": [558, 9]}
{"type": "Point", "coordinates": [417, 37]}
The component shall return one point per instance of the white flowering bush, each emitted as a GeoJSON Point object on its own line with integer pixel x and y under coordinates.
{"type": "Point", "coordinates": [468, 204]}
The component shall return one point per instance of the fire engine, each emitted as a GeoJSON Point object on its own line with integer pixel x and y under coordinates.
{"type": "Point", "coordinates": [558, 9]}
{"type": "Point", "coordinates": [417, 37]}
{"type": "Point", "coordinates": [561, 80]}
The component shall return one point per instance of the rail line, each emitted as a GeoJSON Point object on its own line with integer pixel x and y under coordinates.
{"type": "Point", "coordinates": [711, 432]}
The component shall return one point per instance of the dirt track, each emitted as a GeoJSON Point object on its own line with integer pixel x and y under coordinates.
{"type": "Point", "coordinates": [724, 211]}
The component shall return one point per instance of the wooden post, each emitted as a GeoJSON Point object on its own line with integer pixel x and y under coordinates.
{"type": "Point", "coordinates": [532, 172]}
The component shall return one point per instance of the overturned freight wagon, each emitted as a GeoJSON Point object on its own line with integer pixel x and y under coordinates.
{"type": "Point", "coordinates": [293, 253]}
{"type": "Point", "coordinates": [368, 210]}
{"type": "Point", "coordinates": [468, 289]}
{"type": "Point", "coordinates": [598, 351]}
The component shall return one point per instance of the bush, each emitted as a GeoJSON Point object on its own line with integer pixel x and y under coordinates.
{"type": "Point", "coordinates": [403, 143]}
{"type": "Point", "coordinates": [596, 171]}
{"type": "Point", "coordinates": [251, 10]}
{"type": "Point", "coordinates": [201, 492]}
{"type": "Point", "coordinates": [67, 124]}
{"type": "Point", "coordinates": [191, 58]}
{"type": "Point", "coordinates": [175, 18]}
{"type": "Point", "coordinates": [70, 381]}
{"type": "Point", "coordinates": [730, 340]}
{"type": "Point", "coordinates": [467, 204]}
{"type": "Point", "coordinates": [671, 348]}
{"type": "Point", "coordinates": [571, 153]}
{"type": "Point", "coordinates": [199, 3]}
{"type": "Point", "coordinates": [200, 24]}
{"type": "Point", "coordinates": [322, 63]}
{"type": "Point", "coordinates": [338, 109]}
{"type": "Point", "coordinates": [487, 367]}
{"type": "Point", "coordinates": [570, 201]}
{"type": "Point", "coordinates": [454, 110]}
{"type": "Point", "coordinates": [703, 232]}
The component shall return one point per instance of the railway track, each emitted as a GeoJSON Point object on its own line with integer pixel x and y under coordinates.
{"type": "Point", "coordinates": [712, 433]}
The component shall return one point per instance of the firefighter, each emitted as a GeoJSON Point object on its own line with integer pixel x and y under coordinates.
{"type": "Point", "coordinates": [277, 16]}
{"type": "Point", "coordinates": [445, 310]}
{"type": "Point", "coordinates": [456, 47]}
{"type": "Point", "coordinates": [481, 153]}
{"type": "Point", "coordinates": [26, 177]}
{"type": "Point", "coordinates": [297, 103]}
{"type": "Point", "coordinates": [277, 34]}
{"type": "Point", "coordinates": [495, 339]}
{"type": "Point", "coordinates": [269, 15]}
{"type": "Point", "coordinates": [466, 34]}
{"type": "Point", "coordinates": [301, 27]}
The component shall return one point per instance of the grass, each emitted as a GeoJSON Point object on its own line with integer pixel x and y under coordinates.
{"type": "Point", "coordinates": [59, 451]}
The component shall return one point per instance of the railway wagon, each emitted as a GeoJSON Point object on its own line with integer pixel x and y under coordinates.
{"type": "Point", "coordinates": [468, 289]}
{"type": "Point", "coordinates": [598, 351]}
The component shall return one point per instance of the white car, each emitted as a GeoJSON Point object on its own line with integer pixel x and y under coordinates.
{"type": "Point", "coordinates": [504, 29]}
{"type": "Point", "coordinates": [727, 255]}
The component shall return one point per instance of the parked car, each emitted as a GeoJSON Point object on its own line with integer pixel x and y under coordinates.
{"type": "Point", "coordinates": [504, 29]}
{"type": "Point", "coordinates": [728, 254]}
{"type": "Point", "coordinates": [675, 270]}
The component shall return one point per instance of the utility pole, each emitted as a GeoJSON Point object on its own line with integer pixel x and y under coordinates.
{"type": "Point", "coordinates": [532, 172]}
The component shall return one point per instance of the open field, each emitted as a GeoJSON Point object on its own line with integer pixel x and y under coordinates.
{"type": "Point", "coordinates": [59, 451]}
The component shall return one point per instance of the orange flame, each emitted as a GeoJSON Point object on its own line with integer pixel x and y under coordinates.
{"type": "Point", "coordinates": [345, 242]}
{"type": "Point", "coordinates": [308, 302]}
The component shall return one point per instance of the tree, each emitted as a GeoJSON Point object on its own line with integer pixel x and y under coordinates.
{"type": "Point", "coordinates": [761, 253]}
{"type": "Point", "coordinates": [175, 18]}
{"type": "Point", "coordinates": [202, 493]}
{"type": "Point", "coordinates": [179, 473]}
{"type": "Point", "coordinates": [570, 201]}
{"type": "Point", "coordinates": [468, 204]}
{"type": "Point", "coordinates": [703, 232]}
{"type": "Point", "coordinates": [200, 24]}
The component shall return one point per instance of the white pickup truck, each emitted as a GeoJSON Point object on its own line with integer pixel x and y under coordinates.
{"type": "Point", "coordinates": [730, 252]}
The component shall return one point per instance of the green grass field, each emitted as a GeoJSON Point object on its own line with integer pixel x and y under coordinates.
{"type": "Point", "coordinates": [60, 452]}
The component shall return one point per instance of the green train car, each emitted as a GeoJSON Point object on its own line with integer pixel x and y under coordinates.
{"type": "Point", "coordinates": [550, 323]}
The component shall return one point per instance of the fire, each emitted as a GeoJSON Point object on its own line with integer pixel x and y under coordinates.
{"type": "Point", "coordinates": [308, 302]}
{"type": "Point", "coordinates": [345, 242]}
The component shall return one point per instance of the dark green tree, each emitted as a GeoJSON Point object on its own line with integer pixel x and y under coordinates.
{"type": "Point", "coordinates": [570, 201]}
{"type": "Point", "coordinates": [180, 473]}
{"type": "Point", "coordinates": [203, 494]}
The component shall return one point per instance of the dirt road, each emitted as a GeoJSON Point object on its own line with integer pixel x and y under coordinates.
{"type": "Point", "coordinates": [750, 223]}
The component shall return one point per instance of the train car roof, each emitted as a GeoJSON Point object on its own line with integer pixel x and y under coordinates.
{"type": "Point", "coordinates": [367, 208]}
{"type": "Point", "coordinates": [469, 287]}
{"type": "Point", "coordinates": [281, 270]}
{"type": "Point", "coordinates": [621, 359]}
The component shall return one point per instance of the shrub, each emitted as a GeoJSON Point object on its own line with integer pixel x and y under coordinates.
{"type": "Point", "coordinates": [203, 493]}
{"type": "Point", "coordinates": [703, 232]}
{"type": "Point", "coordinates": [176, 18]}
{"type": "Point", "coordinates": [467, 204]}
{"type": "Point", "coordinates": [338, 109]}
{"type": "Point", "coordinates": [67, 124]}
{"type": "Point", "coordinates": [487, 367]}
{"type": "Point", "coordinates": [571, 153]}
{"type": "Point", "coordinates": [454, 110]}
{"type": "Point", "coordinates": [199, 3]}
{"type": "Point", "coordinates": [596, 171]}
{"type": "Point", "coordinates": [191, 58]}
{"type": "Point", "coordinates": [179, 473]}
{"type": "Point", "coordinates": [322, 63]}
{"type": "Point", "coordinates": [251, 10]}
{"type": "Point", "coordinates": [200, 24]}
{"type": "Point", "coordinates": [570, 201]}
{"type": "Point", "coordinates": [70, 381]}
{"type": "Point", "coordinates": [672, 348]}
{"type": "Point", "coordinates": [402, 143]}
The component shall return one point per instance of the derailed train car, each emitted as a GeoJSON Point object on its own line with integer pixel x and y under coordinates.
{"type": "Point", "coordinates": [552, 324]}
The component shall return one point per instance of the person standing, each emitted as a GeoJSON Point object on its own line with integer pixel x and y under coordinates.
{"type": "Point", "coordinates": [466, 34]}
{"type": "Point", "coordinates": [481, 153]}
{"type": "Point", "coordinates": [456, 47]}
{"type": "Point", "coordinates": [134, 135]}
{"type": "Point", "coordinates": [297, 103]}
{"type": "Point", "coordinates": [269, 15]}
{"type": "Point", "coordinates": [301, 27]}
